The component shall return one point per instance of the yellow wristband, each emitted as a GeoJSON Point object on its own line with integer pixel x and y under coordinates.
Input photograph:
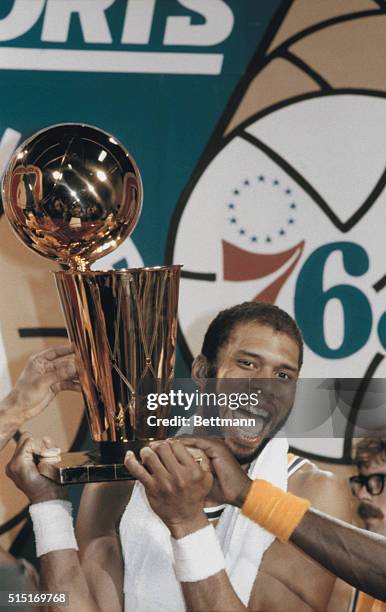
{"type": "Point", "coordinates": [276, 511]}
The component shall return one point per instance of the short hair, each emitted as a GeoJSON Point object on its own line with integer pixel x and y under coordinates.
{"type": "Point", "coordinates": [220, 329]}
{"type": "Point", "coordinates": [369, 449]}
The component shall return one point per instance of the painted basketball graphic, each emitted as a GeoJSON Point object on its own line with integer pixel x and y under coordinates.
{"type": "Point", "coordinates": [287, 203]}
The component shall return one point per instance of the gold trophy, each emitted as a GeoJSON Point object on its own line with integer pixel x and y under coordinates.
{"type": "Point", "coordinates": [73, 193]}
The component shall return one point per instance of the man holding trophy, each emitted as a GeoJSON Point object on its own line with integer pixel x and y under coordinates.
{"type": "Point", "coordinates": [170, 540]}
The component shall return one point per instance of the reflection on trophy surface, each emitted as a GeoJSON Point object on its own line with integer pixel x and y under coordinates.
{"type": "Point", "coordinates": [73, 193]}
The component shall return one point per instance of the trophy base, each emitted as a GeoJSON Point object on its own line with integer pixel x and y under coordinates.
{"type": "Point", "coordinates": [105, 464]}
{"type": "Point", "coordinates": [101, 466]}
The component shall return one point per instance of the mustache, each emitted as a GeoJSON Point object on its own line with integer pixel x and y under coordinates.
{"type": "Point", "coordinates": [367, 510]}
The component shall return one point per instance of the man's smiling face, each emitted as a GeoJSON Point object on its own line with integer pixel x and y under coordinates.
{"type": "Point", "coordinates": [268, 362]}
{"type": "Point", "coordinates": [372, 508]}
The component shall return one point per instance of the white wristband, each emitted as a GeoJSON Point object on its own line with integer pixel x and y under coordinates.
{"type": "Point", "coordinates": [198, 555]}
{"type": "Point", "coordinates": [53, 526]}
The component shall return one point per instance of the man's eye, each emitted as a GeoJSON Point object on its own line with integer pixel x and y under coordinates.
{"type": "Point", "coordinates": [284, 376]}
{"type": "Point", "coordinates": [246, 363]}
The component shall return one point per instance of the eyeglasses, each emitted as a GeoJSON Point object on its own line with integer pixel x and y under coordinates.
{"type": "Point", "coordinates": [374, 483]}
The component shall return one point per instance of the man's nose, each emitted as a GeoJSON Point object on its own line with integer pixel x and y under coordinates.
{"type": "Point", "coordinates": [262, 383]}
{"type": "Point", "coordinates": [265, 387]}
{"type": "Point", "coordinates": [363, 493]}
{"type": "Point", "coordinates": [264, 374]}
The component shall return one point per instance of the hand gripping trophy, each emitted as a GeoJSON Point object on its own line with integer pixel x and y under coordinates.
{"type": "Point", "coordinates": [73, 193]}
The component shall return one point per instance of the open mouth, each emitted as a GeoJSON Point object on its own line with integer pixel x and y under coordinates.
{"type": "Point", "coordinates": [259, 421]}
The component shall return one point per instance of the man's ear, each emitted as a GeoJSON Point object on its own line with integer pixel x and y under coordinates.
{"type": "Point", "coordinates": [200, 370]}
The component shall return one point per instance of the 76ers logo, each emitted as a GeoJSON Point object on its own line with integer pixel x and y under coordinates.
{"type": "Point", "coordinates": [287, 205]}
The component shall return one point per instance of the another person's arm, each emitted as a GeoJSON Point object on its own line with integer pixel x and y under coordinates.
{"type": "Point", "coordinates": [60, 564]}
{"type": "Point", "coordinates": [44, 375]}
{"type": "Point", "coordinates": [354, 555]}
{"type": "Point", "coordinates": [97, 531]}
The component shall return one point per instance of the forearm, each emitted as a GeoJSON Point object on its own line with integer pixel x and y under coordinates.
{"type": "Point", "coordinates": [61, 571]}
{"type": "Point", "coordinates": [350, 553]}
{"type": "Point", "coordinates": [215, 594]}
{"type": "Point", "coordinates": [10, 418]}
{"type": "Point", "coordinates": [354, 555]}
{"type": "Point", "coordinates": [214, 591]}
{"type": "Point", "coordinates": [57, 548]}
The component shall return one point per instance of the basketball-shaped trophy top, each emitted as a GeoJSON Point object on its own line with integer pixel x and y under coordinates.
{"type": "Point", "coordinates": [72, 193]}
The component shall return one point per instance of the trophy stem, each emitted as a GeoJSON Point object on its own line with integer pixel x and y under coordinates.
{"type": "Point", "coordinates": [123, 324]}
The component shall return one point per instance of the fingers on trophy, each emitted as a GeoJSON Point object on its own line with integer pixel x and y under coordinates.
{"type": "Point", "coordinates": [73, 193]}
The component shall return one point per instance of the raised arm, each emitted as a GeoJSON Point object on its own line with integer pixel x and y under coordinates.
{"type": "Point", "coordinates": [44, 375]}
{"type": "Point", "coordinates": [352, 554]}
{"type": "Point", "coordinates": [176, 487]}
{"type": "Point", "coordinates": [61, 567]}
{"type": "Point", "coordinates": [101, 508]}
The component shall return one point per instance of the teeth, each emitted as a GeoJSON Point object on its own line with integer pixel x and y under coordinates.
{"type": "Point", "coordinates": [252, 431]}
{"type": "Point", "coordinates": [262, 413]}
{"type": "Point", "coordinates": [257, 412]}
{"type": "Point", "coordinates": [248, 437]}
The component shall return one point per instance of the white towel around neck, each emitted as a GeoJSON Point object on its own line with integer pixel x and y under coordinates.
{"type": "Point", "coordinates": [150, 584]}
